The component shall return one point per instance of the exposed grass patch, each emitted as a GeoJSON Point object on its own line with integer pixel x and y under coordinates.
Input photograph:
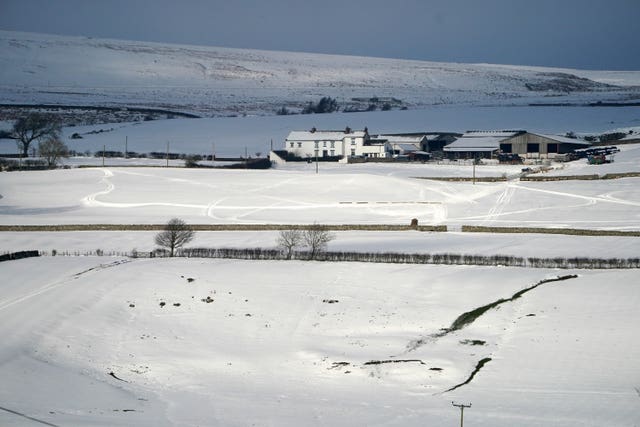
{"type": "Point", "coordinates": [473, 342]}
{"type": "Point", "coordinates": [479, 366]}
{"type": "Point", "coordinates": [465, 319]}
{"type": "Point", "coordinates": [381, 362]}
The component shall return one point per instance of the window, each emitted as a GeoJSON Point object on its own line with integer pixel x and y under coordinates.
{"type": "Point", "coordinates": [353, 141]}
{"type": "Point", "coordinates": [552, 148]}
{"type": "Point", "coordinates": [291, 144]}
{"type": "Point", "coordinates": [315, 144]}
{"type": "Point", "coordinates": [333, 152]}
{"type": "Point", "coordinates": [333, 144]}
{"type": "Point", "coordinates": [324, 143]}
{"type": "Point", "coordinates": [299, 144]}
{"type": "Point", "coordinates": [353, 151]}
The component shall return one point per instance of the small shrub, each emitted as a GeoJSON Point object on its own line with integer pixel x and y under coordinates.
{"type": "Point", "coordinates": [191, 162]}
{"type": "Point", "coordinates": [283, 111]}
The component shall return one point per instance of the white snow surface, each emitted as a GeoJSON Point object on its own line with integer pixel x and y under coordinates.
{"type": "Point", "coordinates": [267, 349]}
{"type": "Point", "coordinates": [41, 68]}
{"type": "Point", "coordinates": [339, 194]}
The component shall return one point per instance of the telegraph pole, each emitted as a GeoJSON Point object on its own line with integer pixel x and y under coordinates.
{"type": "Point", "coordinates": [474, 169]}
{"type": "Point", "coordinates": [104, 148]}
{"type": "Point", "coordinates": [126, 141]}
{"type": "Point", "coordinates": [167, 153]}
{"type": "Point", "coordinates": [461, 406]}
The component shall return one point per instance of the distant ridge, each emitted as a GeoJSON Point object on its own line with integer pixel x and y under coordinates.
{"type": "Point", "coordinates": [210, 81]}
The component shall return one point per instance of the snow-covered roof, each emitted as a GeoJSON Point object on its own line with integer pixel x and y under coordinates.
{"type": "Point", "coordinates": [491, 133]}
{"type": "Point", "coordinates": [403, 139]}
{"type": "Point", "coordinates": [320, 135]}
{"type": "Point", "coordinates": [563, 139]}
{"type": "Point", "coordinates": [478, 143]}
{"type": "Point", "coordinates": [406, 147]}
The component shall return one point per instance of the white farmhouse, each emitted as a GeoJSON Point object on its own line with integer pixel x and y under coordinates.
{"type": "Point", "coordinates": [332, 143]}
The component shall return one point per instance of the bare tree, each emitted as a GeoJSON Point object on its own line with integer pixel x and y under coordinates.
{"type": "Point", "coordinates": [34, 127]}
{"type": "Point", "coordinates": [175, 234]}
{"type": "Point", "coordinates": [316, 238]}
{"type": "Point", "coordinates": [288, 240]}
{"type": "Point", "coordinates": [52, 149]}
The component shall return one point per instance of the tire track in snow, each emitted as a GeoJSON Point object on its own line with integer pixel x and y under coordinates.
{"type": "Point", "coordinates": [501, 203]}
{"type": "Point", "coordinates": [54, 285]}
{"type": "Point", "coordinates": [90, 200]}
{"type": "Point", "coordinates": [593, 199]}
{"type": "Point", "coordinates": [20, 414]}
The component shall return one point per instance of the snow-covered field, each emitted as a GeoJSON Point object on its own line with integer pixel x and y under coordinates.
{"type": "Point", "coordinates": [359, 194]}
{"type": "Point", "coordinates": [87, 342]}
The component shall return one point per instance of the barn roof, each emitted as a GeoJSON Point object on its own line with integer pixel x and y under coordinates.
{"type": "Point", "coordinates": [406, 147]}
{"type": "Point", "coordinates": [492, 133]}
{"type": "Point", "coordinates": [476, 143]}
{"type": "Point", "coordinates": [403, 139]}
{"type": "Point", "coordinates": [563, 139]}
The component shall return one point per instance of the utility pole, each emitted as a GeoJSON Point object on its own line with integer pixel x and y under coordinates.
{"type": "Point", "coordinates": [213, 153]}
{"type": "Point", "coordinates": [126, 141]}
{"type": "Point", "coordinates": [461, 406]}
{"type": "Point", "coordinates": [474, 170]}
{"type": "Point", "coordinates": [104, 148]}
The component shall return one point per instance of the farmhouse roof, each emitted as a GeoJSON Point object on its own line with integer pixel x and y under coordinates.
{"type": "Point", "coordinates": [319, 135]}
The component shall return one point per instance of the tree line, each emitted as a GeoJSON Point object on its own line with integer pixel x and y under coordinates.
{"type": "Point", "coordinates": [312, 242]}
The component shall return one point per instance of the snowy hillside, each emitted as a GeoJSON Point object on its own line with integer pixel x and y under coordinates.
{"type": "Point", "coordinates": [182, 342]}
{"type": "Point", "coordinates": [38, 68]}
